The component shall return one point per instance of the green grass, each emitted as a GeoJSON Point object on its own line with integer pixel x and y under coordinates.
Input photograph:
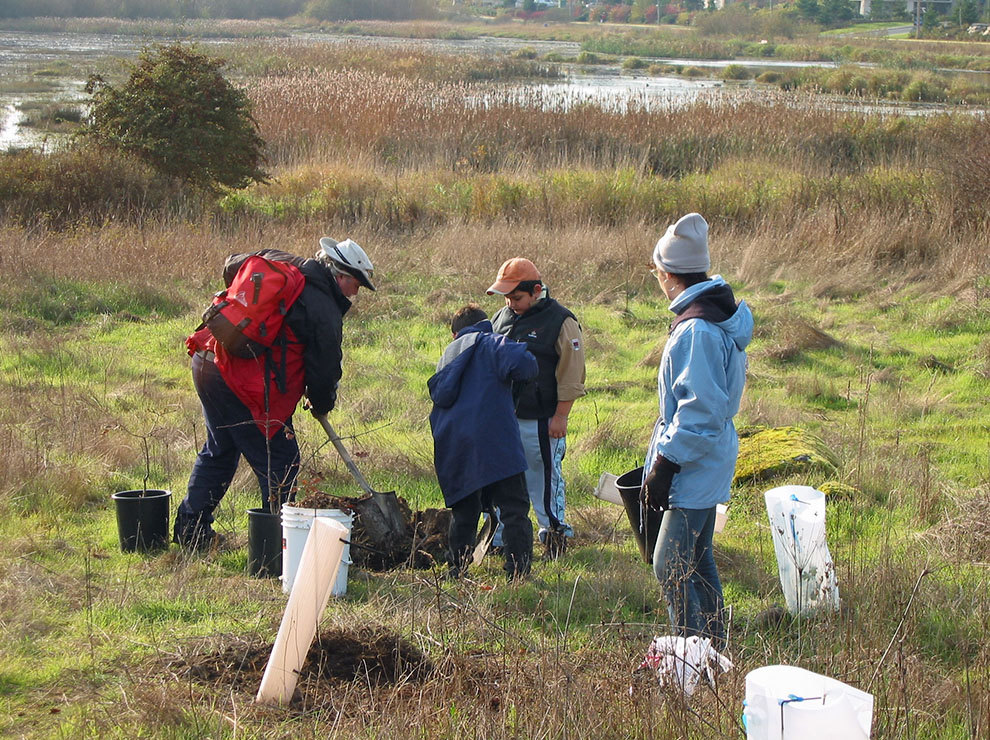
{"type": "Point", "coordinates": [118, 384]}
{"type": "Point", "coordinates": [863, 28]}
{"type": "Point", "coordinates": [889, 368]}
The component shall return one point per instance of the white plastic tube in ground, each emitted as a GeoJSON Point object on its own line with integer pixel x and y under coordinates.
{"type": "Point", "coordinates": [807, 573]}
{"type": "Point", "coordinates": [314, 581]}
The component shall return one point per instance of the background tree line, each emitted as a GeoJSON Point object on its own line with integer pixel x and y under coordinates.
{"type": "Point", "coordinates": [330, 10]}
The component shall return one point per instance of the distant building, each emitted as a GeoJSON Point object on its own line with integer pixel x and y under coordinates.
{"type": "Point", "coordinates": [943, 6]}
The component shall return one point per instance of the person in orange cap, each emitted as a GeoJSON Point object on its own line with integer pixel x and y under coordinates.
{"type": "Point", "coordinates": [553, 335]}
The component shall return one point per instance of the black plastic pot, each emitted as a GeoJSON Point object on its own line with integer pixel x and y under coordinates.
{"type": "Point", "coordinates": [629, 485]}
{"type": "Point", "coordinates": [142, 519]}
{"type": "Point", "coordinates": [264, 544]}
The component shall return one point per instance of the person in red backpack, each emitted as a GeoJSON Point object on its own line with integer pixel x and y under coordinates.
{"type": "Point", "coordinates": [248, 402]}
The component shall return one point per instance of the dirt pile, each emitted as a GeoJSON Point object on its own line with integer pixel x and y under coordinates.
{"type": "Point", "coordinates": [369, 654]}
{"type": "Point", "coordinates": [323, 500]}
{"type": "Point", "coordinates": [423, 544]}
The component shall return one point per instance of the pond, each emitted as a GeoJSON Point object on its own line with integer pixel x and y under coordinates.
{"type": "Point", "coordinates": [78, 54]}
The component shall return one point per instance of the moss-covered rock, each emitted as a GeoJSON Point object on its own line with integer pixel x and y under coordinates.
{"type": "Point", "coordinates": [766, 453]}
{"type": "Point", "coordinates": [838, 491]}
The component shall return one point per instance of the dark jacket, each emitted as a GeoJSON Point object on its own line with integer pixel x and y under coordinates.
{"type": "Point", "coordinates": [539, 328]}
{"type": "Point", "coordinates": [316, 320]}
{"type": "Point", "coordinates": [475, 433]}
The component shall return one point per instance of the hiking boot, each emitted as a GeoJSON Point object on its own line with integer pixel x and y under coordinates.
{"type": "Point", "coordinates": [195, 537]}
{"type": "Point", "coordinates": [555, 545]}
{"type": "Point", "coordinates": [517, 569]}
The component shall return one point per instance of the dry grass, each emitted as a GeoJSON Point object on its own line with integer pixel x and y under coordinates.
{"type": "Point", "coordinates": [963, 535]}
{"type": "Point", "coordinates": [790, 336]}
{"type": "Point", "coordinates": [508, 663]}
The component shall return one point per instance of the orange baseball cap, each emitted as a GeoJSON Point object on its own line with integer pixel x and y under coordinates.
{"type": "Point", "coordinates": [511, 273]}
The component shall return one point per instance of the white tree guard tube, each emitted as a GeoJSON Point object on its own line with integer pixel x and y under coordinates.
{"type": "Point", "coordinates": [807, 573]}
{"type": "Point", "coordinates": [314, 581]}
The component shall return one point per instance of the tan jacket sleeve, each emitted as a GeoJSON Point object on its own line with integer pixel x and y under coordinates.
{"type": "Point", "coordinates": [570, 367]}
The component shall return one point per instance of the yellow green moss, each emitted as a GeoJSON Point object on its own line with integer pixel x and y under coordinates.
{"type": "Point", "coordinates": [766, 453]}
{"type": "Point", "coordinates": [839, 491]}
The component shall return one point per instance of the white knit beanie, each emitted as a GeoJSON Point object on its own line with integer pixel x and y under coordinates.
{"type": "Point", "coordinates": [684, 247]}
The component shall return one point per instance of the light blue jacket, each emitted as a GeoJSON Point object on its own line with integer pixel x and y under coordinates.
{"type": "Point", "coordinates": [700, 383]}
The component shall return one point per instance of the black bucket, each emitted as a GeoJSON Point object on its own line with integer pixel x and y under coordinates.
{"type": "Point", "coordinates": [142, 519]}
{"type": "Point", "coordinates": [629, 485]}
{"type": "Point", "coordinates": [264, 544]}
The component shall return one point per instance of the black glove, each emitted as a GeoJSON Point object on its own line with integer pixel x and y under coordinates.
{"type": "Point", "coordinates": [656, 484]}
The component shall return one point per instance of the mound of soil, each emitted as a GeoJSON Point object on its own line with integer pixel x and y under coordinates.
{"type": "Point", "coordinates": [323, 500]}
{"type": "Point", "coordinates": [423, 544]}
{"type": "Point", "coordinates": [369, 654]}
{"type": "Point", "coordinates": [240, 662]}
{"type": "Point", "coordinates": [429, 541]}
{"type": "Point", "coordinates": [766, 453]}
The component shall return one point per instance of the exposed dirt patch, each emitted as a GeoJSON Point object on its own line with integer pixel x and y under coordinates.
{"type": "Point", "coordinates": [429, 544]}
{"type": "Point", "coordinates": [369, 654]}
{"type": "Point", "coordinates": [323, 500]}
{"type": "Point", "coordinates": [423, 544]}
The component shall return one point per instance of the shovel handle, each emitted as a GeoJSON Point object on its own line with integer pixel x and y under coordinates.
{"type": "Point", "coordinates": [344, 455]}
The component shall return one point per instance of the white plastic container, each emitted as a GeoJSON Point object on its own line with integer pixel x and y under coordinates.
{"type": "Point", "coordinates": [721, 517]}
{"type": "Point", "coordinates": [606, 490]}
{"type": "Point", "coordinates": [790, 703]}
{"type": "Point", "coordinates": [296, 523]}
{"type": "Point", "coordinates": [807, 573]}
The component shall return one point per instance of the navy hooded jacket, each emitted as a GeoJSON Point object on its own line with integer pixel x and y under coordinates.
{"type": "Point", "coordinates": [475, 432]}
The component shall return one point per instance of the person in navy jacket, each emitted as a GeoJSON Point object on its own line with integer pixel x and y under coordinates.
{"type": "Point", "coordinates": [477, 450]}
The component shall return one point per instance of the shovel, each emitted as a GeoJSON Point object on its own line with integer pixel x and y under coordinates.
{"type": "Point", "coordinates": [387, 502]}
{"type": "Point", "coordinates": [485, 538]}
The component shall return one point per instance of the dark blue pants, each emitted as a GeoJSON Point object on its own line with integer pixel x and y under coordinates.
{"type": "Point", "coordinates": [509, 495]}
{"type": "Point", "coordinates": [230, 433]}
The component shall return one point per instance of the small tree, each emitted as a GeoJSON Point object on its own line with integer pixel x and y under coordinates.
{"type": "Point", "coordinates": [808, 9]}
{"type": "Point", "coordinates": [834, 11]}
{"type": "Point", "coordinates": [967, 12]}
{"type": "Point", "coordinates": [178, 113]}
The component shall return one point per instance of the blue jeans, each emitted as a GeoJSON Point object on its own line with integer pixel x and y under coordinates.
{"type": "Point", "coordinates": [544, 479]}
{"type": "Point", "coordinates": [684, 564]}
{"type": "Point", "coordinates": [230, 433]}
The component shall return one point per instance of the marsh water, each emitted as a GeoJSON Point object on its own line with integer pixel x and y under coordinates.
{"type": "Point", "coordinates": [72, 57]}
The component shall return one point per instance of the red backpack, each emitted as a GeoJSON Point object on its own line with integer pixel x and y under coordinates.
{"type": "Point", "coordinates": [247, 318]}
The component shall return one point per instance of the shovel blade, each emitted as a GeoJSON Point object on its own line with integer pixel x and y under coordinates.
{"type": "Point", "coordinates": [388, 503]}
{"type": "Point", "coordinates": [484, 541]}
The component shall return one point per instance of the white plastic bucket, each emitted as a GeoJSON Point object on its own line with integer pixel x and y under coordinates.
{"type": "Point", "coordinates": [790, 703]}
{"type": "Point", "coordinates": [721, 517]}
{"type": "Point", "coordinates": [606, 489]}
{"type": "Point", "coordinates": [296, 523]}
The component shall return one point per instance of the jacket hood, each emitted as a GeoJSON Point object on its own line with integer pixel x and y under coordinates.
{"type": "Point", "coordinates": [713, 301]}
{"type": "Point", "coordinates": [445, 385]}
{"type": "Point", "coordinates": [481, 326]}
{"type": "Point", "coordinates": [320, 277]}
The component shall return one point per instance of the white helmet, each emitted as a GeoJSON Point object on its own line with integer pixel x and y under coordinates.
{"type": "Point", "coordinates": [347, 256]}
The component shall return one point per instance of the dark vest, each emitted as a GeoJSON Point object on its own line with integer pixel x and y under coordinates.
{"type": "Point", "coordinates": [539, 328]}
